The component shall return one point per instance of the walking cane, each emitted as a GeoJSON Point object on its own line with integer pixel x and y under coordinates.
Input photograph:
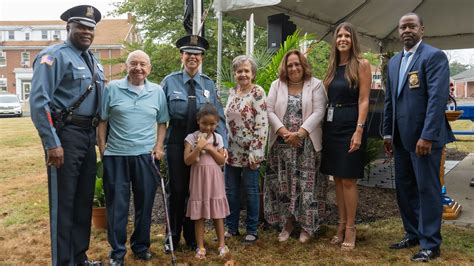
{"type": "Point", "coordinates": [163, 192]}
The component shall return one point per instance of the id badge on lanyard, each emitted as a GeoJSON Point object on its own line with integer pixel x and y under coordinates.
{"type": "Point", "coordinates": [330, 115]}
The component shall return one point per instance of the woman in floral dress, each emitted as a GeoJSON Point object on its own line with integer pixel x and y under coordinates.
{"type": "Point", "coordinates": [247, 127]}
{"type": "Point", "coordinates": [294, 189]}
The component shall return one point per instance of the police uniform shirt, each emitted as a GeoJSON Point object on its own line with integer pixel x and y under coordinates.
{"type": "Point", "coordinates": [176, 90]}
{"type": "Point", "coordinates": [60, 77]}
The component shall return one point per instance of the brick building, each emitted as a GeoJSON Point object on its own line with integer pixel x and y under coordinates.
{"type": "Point", "coordinates": [464, 84]}
{"type": "Point", "coordinates": [21, 41]}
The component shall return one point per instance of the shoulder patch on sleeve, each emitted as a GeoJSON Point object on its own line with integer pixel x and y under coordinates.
{"type": "Point", "coordinates": [47, 59]}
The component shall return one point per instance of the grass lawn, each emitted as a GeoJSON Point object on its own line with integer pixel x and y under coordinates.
{"type": "Point", "coordinates": [24, 224]}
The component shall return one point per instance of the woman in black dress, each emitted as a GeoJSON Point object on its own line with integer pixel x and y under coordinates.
{"type": "Point", "coordinates": [348, 85]}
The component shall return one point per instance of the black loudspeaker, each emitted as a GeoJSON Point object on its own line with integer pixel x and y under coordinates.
{"type": "Point", "coordinates": [375, 116]}
{"type": "Point", "coordinates": [279, 27]}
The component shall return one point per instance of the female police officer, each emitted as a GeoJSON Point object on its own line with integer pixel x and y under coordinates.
{"type": "Point", "coordinates": [186, 91]}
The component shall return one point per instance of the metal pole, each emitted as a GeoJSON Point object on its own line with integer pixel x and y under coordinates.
{"type": "Point", "coordinates": [247, 41]}
{"type": "Point", "coordinates": [196, 16]}
{"type": "Point", "coordinates": [219, 49]}
{"type": "Point", "coordinates": [251, 34]}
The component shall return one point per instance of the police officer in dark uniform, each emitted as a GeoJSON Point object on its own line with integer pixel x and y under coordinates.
{"type": "Point", "coordinates": [64, 102]}
{"type": "Point", "coordinates": [186, 91]}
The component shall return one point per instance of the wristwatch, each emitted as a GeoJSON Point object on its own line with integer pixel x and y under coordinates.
{"type": "Point", "coordinates": [360, 125]}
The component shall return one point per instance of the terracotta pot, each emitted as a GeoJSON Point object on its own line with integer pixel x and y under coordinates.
{"type": "Point", "coordinates": [99, 217]}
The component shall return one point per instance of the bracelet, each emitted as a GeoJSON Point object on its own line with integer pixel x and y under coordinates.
{"type": "Point", "coordinates": [360, 125]}
{"type": "Point", "coordinates": [300, 135]}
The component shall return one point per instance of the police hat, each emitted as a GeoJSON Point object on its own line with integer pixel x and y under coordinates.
{"type": "Point", "coordinates": [84, 14]}
{"type": "Point", "coordinates": [194, 44]}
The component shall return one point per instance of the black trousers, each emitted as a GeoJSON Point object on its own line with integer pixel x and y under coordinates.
{"type": "Point", "coordinates": [71, 192]}
{"type": "Point", "coordinates": [178, 194]}
{"type": "Point", "coordinates": [121, 172]}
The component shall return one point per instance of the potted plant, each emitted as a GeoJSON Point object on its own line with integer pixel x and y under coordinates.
{"type": "Point", "coordinates": [99, 214]}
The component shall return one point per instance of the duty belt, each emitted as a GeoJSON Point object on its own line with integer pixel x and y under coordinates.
{"type": "Point", "coordinates": [82, 121]}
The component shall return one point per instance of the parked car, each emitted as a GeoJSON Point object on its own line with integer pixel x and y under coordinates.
{"type": "Point", "coordinates": [10, 105]}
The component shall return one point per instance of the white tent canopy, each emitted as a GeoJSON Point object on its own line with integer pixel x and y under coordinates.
{"type": "Point", "coordinates": [449, 24]}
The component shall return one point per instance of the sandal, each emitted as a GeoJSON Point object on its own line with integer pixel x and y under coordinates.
{"type": "Point", "coordinates": [200, 253]}
{"type": "Point", "coordinates": [304, 236]}
{"type": "Point", "coordinates": [223, 251]}
{"type": "Point", "coordinates": [285, 234]}
{"type": "Point", "coordinates": [347, 246]}
{"type": "Point", "coordinates": [336, 240]}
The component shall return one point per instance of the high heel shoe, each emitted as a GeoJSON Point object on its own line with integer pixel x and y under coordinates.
{"type": "Point", "coordinates": [346, 245]}
{"type": "Point", "coordinates": [338, 238]}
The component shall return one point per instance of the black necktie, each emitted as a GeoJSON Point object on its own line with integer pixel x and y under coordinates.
{"type": "Point", "coordinates": [192, 123]}
{"type": "Point", "coordinates": [87, 59]}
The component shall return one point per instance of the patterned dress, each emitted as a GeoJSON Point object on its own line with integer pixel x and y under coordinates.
{"type": "Point", "coordinates": [293, 185]}
{"type": "Point", "coordinates": [247, 127]}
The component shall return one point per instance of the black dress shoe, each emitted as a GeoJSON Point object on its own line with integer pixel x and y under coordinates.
{"type": "Point", "coordinates": [405, 243]}
{"type": "Point", "coordinates": [425, 255]}
{"type": "Point", "coordinates": [116, 262]}
{"type": "Point", "coordinates": [90, 263]}
{"type": "Point", "coordinates": [472, 182]}
{"type": "Point", "coordinates": [144, 255]}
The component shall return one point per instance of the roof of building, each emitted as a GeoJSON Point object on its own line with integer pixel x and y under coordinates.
{"type": "Point", "coordinates": [467, 75]}
{"type": "Point", "coordinates": [108, 32]}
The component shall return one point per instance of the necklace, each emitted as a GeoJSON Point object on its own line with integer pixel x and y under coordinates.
{"type": "Point", "coordinates": [295, 83]}
{"type": "Point", "coordinates": [242, 91]}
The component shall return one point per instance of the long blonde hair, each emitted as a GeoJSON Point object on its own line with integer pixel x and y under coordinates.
{"type": "Point", "coordinates": [351, 73]}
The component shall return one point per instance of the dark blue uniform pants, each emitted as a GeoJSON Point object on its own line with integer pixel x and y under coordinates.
{"type": "Point", "coordinates": [178, 188]}
{"type": "Point", "coordinates": [119, 173]}
{"type": "Point", "coordinates": [419, 195]}
{"type": "Point", "coordinates": [71, 191]}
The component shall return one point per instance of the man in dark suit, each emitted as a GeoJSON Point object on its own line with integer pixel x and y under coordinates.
{"type": "Point", "coordinates": [416, 128]}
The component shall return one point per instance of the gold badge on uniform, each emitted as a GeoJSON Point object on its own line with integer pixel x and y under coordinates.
{"type": "Point", "coordinates": [413, 80]}
{"type": "Point", "coordinates": [194, 40]}
{"type": "Point", "coordinates": [90, 12]}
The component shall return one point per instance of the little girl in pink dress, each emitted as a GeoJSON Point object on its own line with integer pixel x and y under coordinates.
{"type": "Point", "coordinates": [204, 151]}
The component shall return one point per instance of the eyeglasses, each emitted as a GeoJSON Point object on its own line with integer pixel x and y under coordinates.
{"type": "Point", "coordinates": [135, 64]}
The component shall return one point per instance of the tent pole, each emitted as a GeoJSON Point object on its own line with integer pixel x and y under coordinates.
{"type": "Point", "coordinates": [219, 49]}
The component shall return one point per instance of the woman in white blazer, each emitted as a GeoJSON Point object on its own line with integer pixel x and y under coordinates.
{"type": "Point", "coordinates": [294, 189]}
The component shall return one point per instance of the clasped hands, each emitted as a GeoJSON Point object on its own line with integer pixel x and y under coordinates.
{"type": "Point", "coordinates": [290, 138]}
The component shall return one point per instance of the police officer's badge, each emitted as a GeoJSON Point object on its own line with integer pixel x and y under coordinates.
{"type": "Point", "coordinates": [413, 80]}
{"type": "Point", "coordinates": [90, 12]}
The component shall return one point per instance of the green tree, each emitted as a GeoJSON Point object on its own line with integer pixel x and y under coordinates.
{"type": "Point", "coordinates": [456, 68]}
{"type": "Point", "coordinates": [161, 22]}
{"type": "Point", "coordinates": [318, 57]}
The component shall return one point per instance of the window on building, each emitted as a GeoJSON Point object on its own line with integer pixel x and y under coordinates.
{"type": "Point", "coordinates": [11, 35]}
{"type": "Point", "coordinates": [3, 85]}
{"type": "Point", "coordinates": [25, 58]}
{"type": "Point", "coordinates": [57, 35]}
{"type": "Point", "coordinates": [27, 36]}
{"type": "Point", "coordinates": [44, 34]}
{"type": "Point", "coordinates": [3, 59]}
{"type": "Point", "coordinates": [376, 76]}
{"type": "Point", "coordinates": [96, 54]}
